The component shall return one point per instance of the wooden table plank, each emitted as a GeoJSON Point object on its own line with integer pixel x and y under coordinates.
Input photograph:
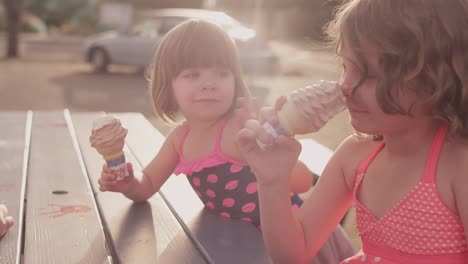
{"type": "Point", "coordinates": [224, 240]}
{"type": "Point", "coordinates": [314, 155]}
{"type": "Point", "coordinates": [62, 224]}
{"type": "Point", "coordinates": [14, 145]}
{"type": "Point", "coordinates": [140, 233]}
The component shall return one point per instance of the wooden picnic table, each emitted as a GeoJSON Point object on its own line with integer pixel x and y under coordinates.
{"type": "Point", "coordinates": [48, 181]}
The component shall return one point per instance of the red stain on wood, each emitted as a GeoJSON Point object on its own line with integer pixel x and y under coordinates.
{"type": "Point", "coordinates": [58, 210]}
{"type": "Point", "coordinates": [6, 187]}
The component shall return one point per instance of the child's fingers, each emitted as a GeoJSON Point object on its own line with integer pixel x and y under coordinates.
{"type": "Point", "coordinates": [107, 185]}
{"type": "Point", "coordinates": [254, 108]}
{"type": "Point", "coordinates": [261, 134]}
{"type": "Point", "coordinates": [6, 222]}
{"type": "Point", "coordinates": [106, 168]}
{"type": "Point", "coordinates": [280, 102]}
{"type": "Point", "coordinates": [246, 140]}
{"type": "Point", "coordinates": [253, 125]}
{"type": "Point", "coordinates": [108, 175]}
{"type": "Point", "coordinates": [113, 185]}
{"type": "Point", "coordinates": [268, 114]}
{"type": "Point", "coordinates": [9, 221]}
{"type": "Point", "coordinates": [3, 211]}
{"type": "Point", "coordinates": [109, 181]}
{"type": "Point", "coordinates": [130, 169]}
{"type": "Point", "coordinates": [103, 184]}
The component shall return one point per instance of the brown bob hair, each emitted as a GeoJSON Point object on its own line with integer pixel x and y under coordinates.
{"type": "Point", "coordinates": [193, 43]}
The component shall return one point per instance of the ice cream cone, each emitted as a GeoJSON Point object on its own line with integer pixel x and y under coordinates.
{"type": "Point", "coordinates": [308, 109]}
{"type": "Point", "coordinates": [108, 138]}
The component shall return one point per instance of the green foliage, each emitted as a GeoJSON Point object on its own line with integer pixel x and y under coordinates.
{"type": "Point", "coordinates": [71, 15]}
{"type": "Point", "coordinates": [31, 23]}
{"type": "Point", "coordinates": [2, 18]}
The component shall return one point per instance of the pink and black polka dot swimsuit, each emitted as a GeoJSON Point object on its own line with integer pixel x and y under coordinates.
{"type": "Point", "coordinates": [225, 185]}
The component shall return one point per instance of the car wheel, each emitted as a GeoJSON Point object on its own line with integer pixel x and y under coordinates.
{"type": "Point", "coordinates": [99, 59]}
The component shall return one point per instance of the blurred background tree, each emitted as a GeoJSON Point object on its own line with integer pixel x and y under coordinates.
{"type": "Point", "coordinates": [279, 19]}
{"type": "Point", "coordinates": [81, 16]}
{"type": "Point", "coordinates": [78, 16]}
{"type": "Point", "coordinates": [13, 10]}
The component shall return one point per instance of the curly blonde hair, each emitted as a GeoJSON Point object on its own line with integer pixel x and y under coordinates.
{"type": "Point", "coordinates": [421, 45]}
{"type": "Point", "coordinates": [193, 43]}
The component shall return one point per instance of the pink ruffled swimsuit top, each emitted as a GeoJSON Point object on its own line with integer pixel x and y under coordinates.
{"type": "Point", "coordinates": [226, 186]}
{"type": "Point", "coordinates": [420, 229]}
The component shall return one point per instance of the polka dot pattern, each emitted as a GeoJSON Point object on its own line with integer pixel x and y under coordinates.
{"type": "Point", "coordinates": [419, 224]}
{"type": "Point", "coordinates": [227, 187]}
{"type": "Point", "coordinates": [231, 192]}
{"type": "Point", "coordinates": [229, 202]}
{"type": "Point", "coordinates": [212, 178]}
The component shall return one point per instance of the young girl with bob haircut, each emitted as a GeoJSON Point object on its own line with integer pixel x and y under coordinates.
{"type": "Point", "coordinates": [405, 79]}
{"type": "Point", "coordinates": [197, 76]}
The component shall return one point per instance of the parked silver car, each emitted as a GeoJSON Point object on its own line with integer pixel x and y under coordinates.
{"type": "Point", "coordinates": [137, 45]}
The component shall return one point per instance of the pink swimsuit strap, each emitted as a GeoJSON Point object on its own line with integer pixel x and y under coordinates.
{"type": "Point", "coordinates": [214, 158]}
{"type": "Point", "coordinates": [431, 163]}
{"type": "Point", "coordinates": [217, 147]}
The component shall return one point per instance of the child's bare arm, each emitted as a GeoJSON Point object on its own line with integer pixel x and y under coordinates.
{"type": "Point", "coordinates": [329, 200]}
{"type": "Point", "coordinates": [301, 178]}
{"type": "Point", "coordinates": [162, 165]}
{"type": "Point", "coordinates": [295, 238]}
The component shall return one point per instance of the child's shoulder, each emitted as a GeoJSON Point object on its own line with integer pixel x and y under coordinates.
{"type": "Point", "coordinates": [454, 164]}
{"type": "Point", "coordinates": [353, 151]}
{"type": "Point", "coordinates": [176, 135]}
{"type": "Point", "coordinates": [456, 154]}
{"type": "Point", "coordinates": [358, 145]}
{"type": "Point", "coordinates": [457, 150]}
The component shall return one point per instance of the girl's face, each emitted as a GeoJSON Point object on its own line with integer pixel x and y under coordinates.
{"type": "Point", "coordinates": [365, 112]}
{"type": "Point", "coordinates": [204, 93]}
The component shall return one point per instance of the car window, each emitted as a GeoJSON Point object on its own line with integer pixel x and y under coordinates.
{"type": "Point", "coordinates": [147, 27]}
{"type": "Point", "coordinates": [169, 22]}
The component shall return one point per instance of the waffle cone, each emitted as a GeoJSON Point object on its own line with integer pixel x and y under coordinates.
{"type": "Point", "coordinates": [109, 153]}
{"type": "Point", "coordinates": [292, 122]}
